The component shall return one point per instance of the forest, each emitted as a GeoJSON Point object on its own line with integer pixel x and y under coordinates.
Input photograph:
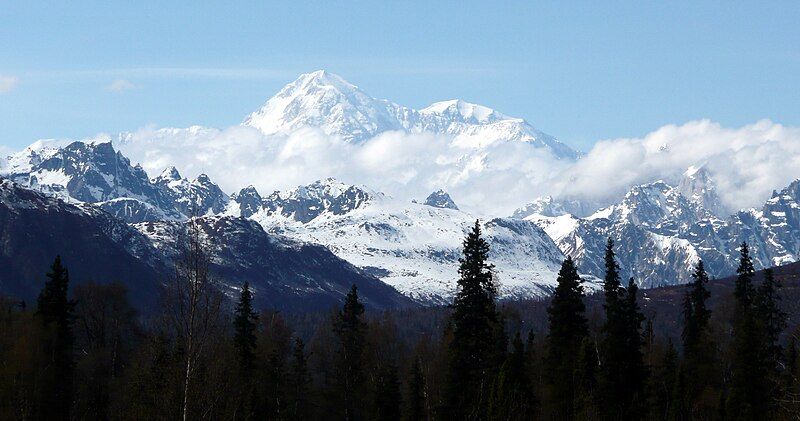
{"type": "Point", "coordinates": [85, 353]}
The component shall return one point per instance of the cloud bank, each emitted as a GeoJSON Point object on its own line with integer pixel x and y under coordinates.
{"type": "Point", "coordinates": [747, 163]}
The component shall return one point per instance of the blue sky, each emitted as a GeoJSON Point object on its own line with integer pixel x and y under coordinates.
{"type": "Point", "coordinates": [582, 71]}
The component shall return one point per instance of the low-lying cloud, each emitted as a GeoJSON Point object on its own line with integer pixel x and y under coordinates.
{"type": "Point", "coordinates": [747, 163]}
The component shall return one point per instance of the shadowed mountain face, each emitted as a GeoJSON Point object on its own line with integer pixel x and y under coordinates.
{"type": "Point", "coordinates": [96, 246]}
{"type": "Point", "coordinates": [93, 245]}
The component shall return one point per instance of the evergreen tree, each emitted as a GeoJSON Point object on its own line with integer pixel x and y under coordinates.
{"type": "Point", "coordinates": [747, 398]}
{"type": "Point", "coordinates": [350, 329]}
{"type": "Point", "coordinates": [696, 314]}
{"type": "Point", "coordinates": [512, 397]}
{"type": "Point", "coordinates": [771, 317]}
{"type": "Point", "coordinates": [568, 328]}
{"type": "Point", "coordinates": [771, 321]}
{"type": "Point", "coordinates": [299, 383]}
{"type": "Point", "coordinates": [244, 323]}
{"type": "Point", "coordinates": [612, 282]}
{"type": "Point", "coordinates": [698, 348]}
{"type": "Point", "coordinates": [472, 349]}
{"type": "Point", "coordinates": [388, 400]}
{"type": "Point", "coordinates": [623, 372]}
{"type": "Point", "coordinates": [56, 313]}
{"type": "Point", "coordinates": [415, 396]}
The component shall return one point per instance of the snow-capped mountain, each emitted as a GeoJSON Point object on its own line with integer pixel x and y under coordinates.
{"type": "Point", "coordinates": [411, 246]}
{"type": "Point", "coordinates": [93, 172]}
{"type": "Point", "coordinates": [326, 101]}
{"type": "Point", "coordinates": [661, 233]}
{"type": "Point", "coordinates": [440, 199]}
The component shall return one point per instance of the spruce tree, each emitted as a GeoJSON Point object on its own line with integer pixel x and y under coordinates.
{"type": "Point", "coordinates": [696, 314]}
{"type": "Point", "coordinates": [623, 372]}
{"type": "Point", "coordinates": [56, 313]}
{"type": "Point", "coordinates": [415, 395]}
{"type": "Point", "coordinates": [567, 330]}
{"type": "Point", "coordinates": [771, 321]}
{"type": "Point", "coordinates": [244, 323]}
{"type": "Point", "coordinates": [747, 398]}
{"type": "Point", "coordinates": [472, 355]}
{"type": "Point", "coordinates": [350, 329]}
{"type": "Point", "coordinates": [388, 400]}
{"type": "Point", "coordinates": [698, 348]}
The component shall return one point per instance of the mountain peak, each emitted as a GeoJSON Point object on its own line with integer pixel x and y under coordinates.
{"type": "Point", "coordinates": [464, 111]}
{"type": "Point", "coordinates": [440, 199]}
{"type": "Point", "coordinates": [170, 174]}
{"type": "Point", "coordinates": [324, 100]}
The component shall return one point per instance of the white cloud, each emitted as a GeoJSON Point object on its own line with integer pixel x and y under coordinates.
{"type": "Point", "coordinates": [747, 162]}
{"type": "Point", "coordinates": [7, 83]}
{"type": "Point", "coordinates": [401, 165]}
{"type": "Point", "coordinates": [120, 85]}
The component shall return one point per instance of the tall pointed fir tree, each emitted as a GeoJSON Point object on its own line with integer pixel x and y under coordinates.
{"type": "Point", "coordinates": [244, 340]}
{"type": "Point", "coordinates": [747, 397]}
{"type": "Point", "coordinates": [623, 372]}
{"type": "Point", "coordinates": [472, 362]}
{"type": "Point", "coordinates": [771, 321]}
{"type": "Point", "coordinates": [415, 402]}
{"type": "Point", "coordinates": [350, 329]}
{"type": "Point", "coordinates": [698, 348]}
{"type": "Point", "coordinates": [244, 323]}
{"type": "Point", "coordinates": [567, 330]}
{"type": "Point", "coordinates": [56, 313]}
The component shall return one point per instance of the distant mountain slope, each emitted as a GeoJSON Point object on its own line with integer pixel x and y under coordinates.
{"type": "Point", "coordinates": [284, 274]}
{"type": "Point", "coordinates": [324, 100]}
{"type": "Point", "coordinates": [94, 245]}
{"type": "Point", "coordinates": [413, 247]}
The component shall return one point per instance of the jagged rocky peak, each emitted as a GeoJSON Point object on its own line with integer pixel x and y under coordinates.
{"type": "Point", "coordinates": [169, 174]}
{"type": "Point", "coordinates": [440, 199]}
{"type": "Point", "coordinates": [204, 180]}
{"type": "Point", "coordinates": [248, 200]}
{"type": "Point", "coordinates": [304, 203]}
{"type": "Point", "coordinates": [550, 206]}
{"type": "Point", "coordinates": [697, 184]}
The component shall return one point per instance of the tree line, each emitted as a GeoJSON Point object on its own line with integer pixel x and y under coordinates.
{"type": "Point", "coordinates": [87, 354]}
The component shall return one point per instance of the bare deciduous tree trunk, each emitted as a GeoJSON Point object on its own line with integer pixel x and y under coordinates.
{"type": "Point", "coordinates": [195, 306]}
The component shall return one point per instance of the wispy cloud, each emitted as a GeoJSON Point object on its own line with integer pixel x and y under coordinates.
{"type": "Point", "coordinates": [7, 83]}
{"type": "Point", "coordinates": [120, 85]}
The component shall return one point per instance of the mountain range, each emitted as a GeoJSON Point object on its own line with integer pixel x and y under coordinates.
{"type": "Point", "coordinates": [302, 247]}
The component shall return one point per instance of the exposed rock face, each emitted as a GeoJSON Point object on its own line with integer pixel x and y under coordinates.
{"type": "Point", "coordinates": [440, 199]}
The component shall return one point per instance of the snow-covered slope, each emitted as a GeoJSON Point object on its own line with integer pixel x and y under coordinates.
{"type": "Point", "coordinates": [413, 247]}
{"type": "Point", "coordinates": [324, 100]}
